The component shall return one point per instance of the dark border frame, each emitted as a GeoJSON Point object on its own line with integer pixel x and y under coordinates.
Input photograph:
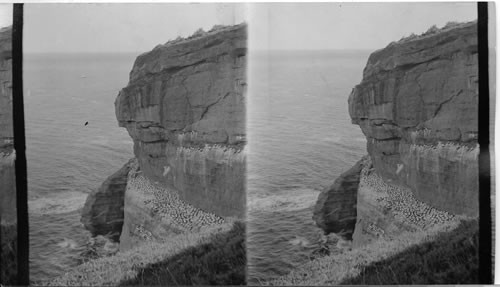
{"type": "Point", "coordinates": [485, 219]}
{"type": "Point", "coordinates": [20, 147]}
{"type": "Point", "coordinates": [485, 226]}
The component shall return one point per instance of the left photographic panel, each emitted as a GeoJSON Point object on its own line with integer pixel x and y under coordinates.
{"type": "Point", "coordinates": [135, 142]}
{"type": "Point", "coordinates": [8, 210]}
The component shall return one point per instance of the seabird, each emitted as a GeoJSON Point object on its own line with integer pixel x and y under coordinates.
{"type": "Point", "coordinates": [86, 123]}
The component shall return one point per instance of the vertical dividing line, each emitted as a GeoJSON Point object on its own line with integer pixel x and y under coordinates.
{"type": "Point", "coordinates": [485, 232]}
{"type": "Point", "coordinates": [20, 148]}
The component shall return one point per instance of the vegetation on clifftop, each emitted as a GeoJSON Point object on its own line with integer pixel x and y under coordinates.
{"type": "Point", "coordinates": [222, 261]}
{"type": "Point", "coordinates": [444, 254]}
{"type": "Point", "coordinates": [450, 259]}
{"type": "Point", "coordinates": [216, 255]}
{"type": "Point", "coordinates": [431, 31]}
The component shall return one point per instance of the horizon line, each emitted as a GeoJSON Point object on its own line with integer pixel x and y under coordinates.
{"type": "Point", "coordinates": [250, 50]}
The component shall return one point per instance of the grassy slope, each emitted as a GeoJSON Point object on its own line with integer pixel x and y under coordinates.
{"type": "Point", "coordinates": [450, 259]}
{"type": "Point", "coordinates": [222, 261]}
{"type": "Point", "coordinates": [126, 266]}
{"type": "Point", "coordinates": [448, 253]}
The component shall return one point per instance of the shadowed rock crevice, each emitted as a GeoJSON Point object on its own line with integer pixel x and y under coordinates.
{"type": "Point", "coordinates": [335, 209]}
{"type": "Point", "coordinates": [102, 213]}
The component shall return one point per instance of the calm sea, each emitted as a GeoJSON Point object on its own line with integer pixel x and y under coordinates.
{"type": "Point", "coordinates": [300, 139]}
{"type": "Point", "coordinates": [66, 159]}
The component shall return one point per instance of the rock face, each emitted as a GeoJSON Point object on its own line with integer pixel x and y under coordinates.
{"type": "Point", "coordinates": [8, 212]}
{"type": "Point", "coordinates": [184, 107]}
{"type": "Point", "coordinates": [335, 210]}
{"type": "Point", "coordinates": [103, 210]}
{"type": "Point", "coordinates": [417, 106]}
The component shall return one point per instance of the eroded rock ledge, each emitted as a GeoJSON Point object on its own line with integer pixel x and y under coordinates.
{"type": "Point", "coordinates": [417, 106]}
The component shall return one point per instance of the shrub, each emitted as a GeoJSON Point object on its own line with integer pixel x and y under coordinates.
{"type": "Point", "coordinates": [431, 30]}
{"type": "Point", "coordinates": [200, 32]}
{"type": "Point", "coordinates": [216, 27]}
{"type": "Point", "coordinates": [451, 24]}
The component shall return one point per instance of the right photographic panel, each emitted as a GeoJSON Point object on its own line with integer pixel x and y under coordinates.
{"type": "Point", "coordinates": [363, 144]}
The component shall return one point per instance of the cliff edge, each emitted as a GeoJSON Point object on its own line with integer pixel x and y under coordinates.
{"type": "Point", "coordinates": [184, 108]}
{"type": "Point", "coordinates": [417, 106]}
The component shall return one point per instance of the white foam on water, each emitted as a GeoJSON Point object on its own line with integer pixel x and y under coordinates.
{"type": "Point", "coordinates": [296, 199]}
{"type": "Point", "coordinates": [56, 204]}
{"type": "Point", "coordinates": [68, 243]}
{"type": "Point", "coordinates": [300, 241]}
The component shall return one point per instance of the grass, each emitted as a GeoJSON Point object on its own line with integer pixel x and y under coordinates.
{"type": "Point", "coordinates": [450, 259]}
{"type": "Point", "coordinates": [222, 261]}
{"type": "Point", "coordinates": [442, 254]}
{"type": "Point", "coordinates": [127, 266]}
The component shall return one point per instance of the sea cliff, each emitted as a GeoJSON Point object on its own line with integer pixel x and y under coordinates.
{"type": "Point", "coordinates": [417, 106]}
{"type": "Point", "coordinates": [184, 108]}
{"type": "Point", "coordinates": [8, 212]}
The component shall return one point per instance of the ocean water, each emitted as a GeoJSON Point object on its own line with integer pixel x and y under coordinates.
{"type": "Point", "coordinates": [66, 159]}
{"type": "Point", "coordinates": [300, 139]}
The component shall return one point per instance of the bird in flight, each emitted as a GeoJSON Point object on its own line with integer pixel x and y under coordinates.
{"type": "Point", "coordinates": [86, 123]}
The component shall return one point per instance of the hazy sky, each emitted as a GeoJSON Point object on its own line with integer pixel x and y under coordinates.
{"type": "Point", "coordinates": [140, 27]}
{"type": "Point", "coordinates": [5, 15]}
{"type": "Point", "coordinates": [118, 27]}
{"type": "Point", "coordinates": [347, 25]}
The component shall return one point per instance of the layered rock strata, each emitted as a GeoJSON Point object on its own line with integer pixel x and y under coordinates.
{"type": "Point", "coordinates": [184, 107]}
{"type": "Point", "coordinates": [8, 212]}
{"type": "Point", "coordinates": [102, 213]}
{"type": "Point", "coordinates": [417, 106]}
